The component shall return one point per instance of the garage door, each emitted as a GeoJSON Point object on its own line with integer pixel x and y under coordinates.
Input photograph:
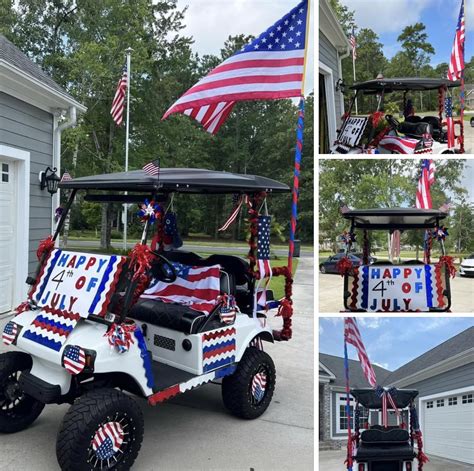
{"type": "Point", "coordinates": [449, 427]}
{"type": "Point", "coordinates": [7, 233]}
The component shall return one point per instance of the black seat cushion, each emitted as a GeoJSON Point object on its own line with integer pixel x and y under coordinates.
{"type": "Point", "coordinates": [170, 315]}
{"type": "Point", "coordinates": [433, 120]}
{"type": "Point", "coordinates": [415, 130]}
{"type": "Point", "coordinates": [413, 119]}
{"type": "Point", "coordinates": [385, 452]}
{"type": "Point", "coordinates": [377, 436]}
{"type": "Point", "coordinates": [186, 258]}
{"type": "Point", "coordinates": [232, 264]}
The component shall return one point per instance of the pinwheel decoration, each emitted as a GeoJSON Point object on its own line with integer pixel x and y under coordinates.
{"type": "Point", "coordinates": [347, 237]}
{"type": "Point", "coordinates": [149, 211]}
{"type": "Point", "coordinates": [440, 233]}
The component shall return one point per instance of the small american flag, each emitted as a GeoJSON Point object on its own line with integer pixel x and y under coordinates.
{"type": "Point", "coordinates": [108, 440]}
{"type": "Point", "coordinates": [353, 41]}
{"type": "Point", "coordinates": [259, 384]}
{"type": "Point", "coordinates": [118, 105]}
{"type": "Point", "coordinates": [74, 359]}
{"type": "Point", "coordinates": [456, 65]}
{"type": "Point", "coordinates": [66, 177]}
{"type": "Point", "coordinates": [269, 68]}
{"type": "Point", "coordinates": [427, 178]}
{"type": "Point", "coordinates": [9, 333]}
{"type": "Point", "coordinates": [353, 337]}
{"type": "Point", "coordinates": [448, 108]}
{"type": "Point", "coordinates": [152, 168]}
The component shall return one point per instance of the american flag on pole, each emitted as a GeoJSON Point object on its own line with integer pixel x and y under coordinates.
{"type": "Point", "coordinates": [427, 178]}
{"type": "Point", "coordinates": [456, 65]}
{"type": "Point", "coordinates": [152, 168]}
{"type": "Point", "coordinates": [195, 287]}
{"type": "Point", "coordinates": [74, 359]}
{"type": "Point", "coordinates": [66, 177]}
{"type": "Point", "coordinates": [353, 41]}
{"type": "Point", "coordinates": [118, 105]}
{"type": "Point", "coordinates": [448, 108]}
{"type": "Point", "coordinates": [108, 440]}
{"type": "Point", "coordinates": [270, 67]}
{"type": "Point", "coordinates": [353, 337]}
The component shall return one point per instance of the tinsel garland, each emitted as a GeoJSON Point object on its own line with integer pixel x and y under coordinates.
{"type": "Point", "coordinates": [344, 265]}
{"type": "Point", "coordinates": [120, 337]}
{"type": "Point", "coordinates": [45, 246]}
{"type": "Point", "coordinates": [140, 260]}
{"type": "Point", "coordinates": [285, 310]}
{"type": "Point", "coordinates": [448, 262]}
{"type": "Point", "coordinates": [421, 457]}
{"type": "Point", "coordinates": [376, 117]}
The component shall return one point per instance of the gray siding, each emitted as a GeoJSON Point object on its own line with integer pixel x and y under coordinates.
{"type": "Point", "coordinates": [329, 56]}
{"type": "Point", "coordinates": [28, 128]}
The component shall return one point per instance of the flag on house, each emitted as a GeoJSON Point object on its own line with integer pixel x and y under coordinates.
{"type": "Point", "coordinates": [118, 105]}
{"type": "Point", "coordinates": [269, 68]}
{"type": "Point", "coordinates": [456, 64]}
{"type": "Point", "coordinates": [427, 178]}
{"type": "Point", "coordinates": [353, 41]}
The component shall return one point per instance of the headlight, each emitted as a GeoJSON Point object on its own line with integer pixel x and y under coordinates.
{"type": "Point", "coordinates": [78, 360]}
{"type": "Point", "coordinates": [10, 333]}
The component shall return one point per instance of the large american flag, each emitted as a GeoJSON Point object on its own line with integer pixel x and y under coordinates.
{"type": "Point", "coordinates": [353, 41]}
{"type": "Point", "coordinates": [353, 337]}
{"type": "Point", "coordinates": [448, 109]}
{"type": "Point", "coordinates": [456, 65]}
{"type": "Point", "coordinates": [427, 178]}
{"type": "Point", "coordinates": [268, 68]}
{"type": "Point", "coordinates": [195, 287]}
{"type": "Point", "coordinates": [118, 104]}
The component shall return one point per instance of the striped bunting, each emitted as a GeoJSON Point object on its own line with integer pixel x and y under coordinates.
{"type": "Point", "coordinates": [218, 348]}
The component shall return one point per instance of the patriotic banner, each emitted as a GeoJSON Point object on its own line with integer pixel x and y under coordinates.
{"type": "Point", "coordinates": [352, 131]}
{"type": "Point", "coordinates": [427, 178]}
{"type": "Point", "coordinates": [263, 259]}
{"type": "Point", "coordinates": [270, 67]}
{"type": "Point", "coordinates": [118, 104]}
{"type": "Point", "coordinates": [234, 214]}
{"type": "Point", "coordinates": [448, 109]}
{"type": "Point", "coordinates": [399, 145]}
{"type": "Point", "coordinates": [195, 287]}
{"type": "Point", "coordinates": [218, 348]}
{"type": "Point", "coordinates": [456, 64]}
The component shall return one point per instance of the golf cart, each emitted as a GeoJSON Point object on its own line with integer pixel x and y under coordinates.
{"type": "Point", "coordinates": [95, 325]}
{"type": "Point", "coordinates": [396, 285]}
{"type": "Point", "coordinates": [386, 448]}
{"type": "Point", "coordinates": [415, 135]}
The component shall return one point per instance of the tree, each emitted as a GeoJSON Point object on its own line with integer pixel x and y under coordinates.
{"type": "Point", "coordinates": [415, 45]}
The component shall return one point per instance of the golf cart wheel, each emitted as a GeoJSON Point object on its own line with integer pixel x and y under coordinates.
{"type": "Point", "coordinates": [102, 430]}
{"type": "Point", "coordinates": [248, 392]}
{"type": "Point", "coordinates": [17, 410]}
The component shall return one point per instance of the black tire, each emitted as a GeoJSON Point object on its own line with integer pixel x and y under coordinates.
{"type": "Point", "coordinates": [17, 410]}
{"type": "Point", "coordinates": [322, 268]}
{"type": "Point", "coordinates": [74, 449]}
{"type": "Point", "coordinates": [237, 388]}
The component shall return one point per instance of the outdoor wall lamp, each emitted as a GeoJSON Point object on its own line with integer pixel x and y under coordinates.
{"type": "Point", "coordinates": [340, 86]}
{"type": "Point", "coordinates": [48, 179]}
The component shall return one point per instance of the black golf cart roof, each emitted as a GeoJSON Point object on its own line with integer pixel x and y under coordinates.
{"type": "Point", "coordinates": [179, 180]}
{"type": "Point", "coordinates": [403, 84]}
{"type": "Point", "coordinates": [370, 399]}
{"type": "Point", "coordinates": [394, 218]}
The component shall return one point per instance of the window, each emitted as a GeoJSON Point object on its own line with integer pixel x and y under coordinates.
{"type": "Point", "coordinates": [343, 417]}
{"type": "Point", "coordinates": [452, 401]}
{"type": "Point", "coordinates": [429, 405]}
{"type": "Point", "coordinates": [341, 413]}
{"type": "Point", "coordinates": [5, 173]}
{"type": "Point", "coordinates": [440, 403]}
{"type": "Point", "coordinates": [467, 399]}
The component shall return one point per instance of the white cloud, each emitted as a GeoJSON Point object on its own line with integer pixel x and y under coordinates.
{"type": "Point", "coordinates": [372, 322]}
{"type": "Point", "coordinates": [321, 329]}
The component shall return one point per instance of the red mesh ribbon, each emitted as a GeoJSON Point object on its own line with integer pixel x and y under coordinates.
{"type": "Point", "coordinates": [120, 336]}
{"type": "Point", "coordinates": [24, 306]}
{"type": "Point", "coordinates": [376, 118]}
{"type": "Point", "coordinates": [421, 457]}
{"type": "Point", "coordinates": [344, 265]}
{"type": "Point", "coordinates": [140, 260]}
{"type": "Point", "coordinates": [45, 246]}
{"type": "Point", "coordinates": [253, 204]}
{"type": "Point", "coordinates": [448, 262]}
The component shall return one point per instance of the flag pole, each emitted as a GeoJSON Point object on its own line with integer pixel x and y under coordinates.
{"type": "Point", "coordinates": [354, 68]}
{"type": "Point", "coordinates": [127, 127]}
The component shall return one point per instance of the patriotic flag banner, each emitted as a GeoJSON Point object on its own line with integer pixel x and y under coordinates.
{"type": "Point", "coordinates": [108, 440]}
{"type": "Point", "coordinates": [195, 287]}
{"type": "Point", "coordinates": [234, 214]}
{"type": "Point", "coordinates": [118, 104]}
{"type": "Point", "coordinates": [259, 384]}
{"type": "Point", "coordinates": [218, 348]}
{"type": "Point", "coordinates": [74, 359]}
{"type": "Point", "coordinates": [456, 64]}
{"type": "Point", "coordinates": [152, 168]}
{"type": "Point", "coordinates": [427, 178]}
{"type": "Point", "coordinates": [66, 177]}
{"type": "Point", "coordinates": [10, 332]}
{"type": "Point", "coordinates": [448, 109]}
{"type": "Point", "coordinates": [263, 259]}
{"type": "Point", "coordinates": [270, 67]}
{"type": "Point", "coordinates": [399, 145]}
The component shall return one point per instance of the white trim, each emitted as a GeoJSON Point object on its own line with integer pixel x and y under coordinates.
{"type": "Point", "coordinates": [331, 375]}
{"type": "Point", "coordinates": [331, 28]}
{"type": "Point", "coordinates": [21, 158]}
{"type": "Point", "coordinates": [329, 85]}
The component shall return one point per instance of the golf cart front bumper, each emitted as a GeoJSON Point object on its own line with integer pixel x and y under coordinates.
{"type": "Point", "coordinates": [40, 390]}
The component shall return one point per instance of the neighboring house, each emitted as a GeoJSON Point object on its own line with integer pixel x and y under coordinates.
{"type": "Point", "coordinates": [469, 97]}
{"type": "Point", "coordinates": [31, 108]}
{"type": "Point", "coordinates": [444, 378]}
{"type": "Point", "coordinates": [333, 47]}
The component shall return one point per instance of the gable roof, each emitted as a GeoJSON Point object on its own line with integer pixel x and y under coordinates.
{"type": "Point", "coordinates": [357, 378]}
{"type": "Point", "coordinates": [454, 346]}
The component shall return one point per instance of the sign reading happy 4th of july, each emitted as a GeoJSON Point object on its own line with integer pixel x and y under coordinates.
{"type": "Point", "coordinates": [396, 288]}
{"type": "Point", "coordinates": [77, 283]}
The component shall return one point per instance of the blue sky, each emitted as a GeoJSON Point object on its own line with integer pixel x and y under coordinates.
{"type": "Point", "coordinates": [388, 18]}
{"type": "Point", "coordinates": [391, 341]}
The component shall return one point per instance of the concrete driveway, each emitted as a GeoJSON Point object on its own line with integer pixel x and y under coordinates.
{"type": "Point", "coordinates": [468, 138]}
{"type": "Point", "coordinates": [331, 300]}
{"type": "Point", "coordinates": [195, 432]}
{"type": "Point", "coordinates": [334, 461]}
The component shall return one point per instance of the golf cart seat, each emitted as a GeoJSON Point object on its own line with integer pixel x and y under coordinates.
{"type": "Point", "coordinates": [385, 452]}
{"type": "Point", "coordinates": [415, 130]}
{"type": "Point", "coordinates": [437, 129]}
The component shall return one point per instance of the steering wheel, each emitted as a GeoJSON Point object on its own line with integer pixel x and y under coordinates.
{"type": "Point", "coordinates": [165, 271]}
{"type": "Point", "coordinates": [394, 123]}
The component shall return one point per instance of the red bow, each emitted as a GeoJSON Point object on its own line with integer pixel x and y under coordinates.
{"type": "Point", "coordinates": [344, 265]}
{"type": "Point", "coordinates": [449, 263]}
{"type": "Point", "coordinates": [45, 246]}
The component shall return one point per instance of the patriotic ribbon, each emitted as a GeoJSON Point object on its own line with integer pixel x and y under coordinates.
{"type": "Point", "coordinates": [120, 336]}
{"type": "Point", "coordinates": [233, 215]}
{"type": "Point", "coordinates": [386, 397]}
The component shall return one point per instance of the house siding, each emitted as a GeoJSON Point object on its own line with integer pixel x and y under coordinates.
{"type": "Point", "coordinates": [329, 56]}
{"type": "Point", "coordinates": [28, 128]}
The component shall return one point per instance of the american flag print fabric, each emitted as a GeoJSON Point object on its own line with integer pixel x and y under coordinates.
{"type": "Point", "coordinates": [423, 190]}
{"type": "Point", "coordinates": [152, 168]}
{"type": "Point", "coordinates": [263, 257]}
{"type": "Point", "coordinates": [456, 64]}
{"type": "Point", "coordinates": [259, 384]}
{"type": "Point", "coordinates": [399, 145]}
{"type": "Point", "coordinates": [118, 104]}
{"type": "Point", "coordinates": [108, 440]}
{"type": "Point", "coordinates": [74, 359]}
{"type": "Point", "coordinates": [448, 109]}
{"type": "Point", "coordinates": [269, 68]}
{"type": "Point", "coordinates": [353, 337]}
{"type": "Point", "coordinates": [218, 348]}
{"type": "Point", "coordinates": [195, 287]}
{"type": "Point", "coordinates": [9, 334]}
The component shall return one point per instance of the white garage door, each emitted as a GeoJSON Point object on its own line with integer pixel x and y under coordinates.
{"type": "Point", "coordinates": [449, 426]}
{"type": "Point", "coordinates": [7, 233]}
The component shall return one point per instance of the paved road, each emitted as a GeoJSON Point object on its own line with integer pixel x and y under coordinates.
{"type": "Point", "coordinates": [195, 432]}
{"type": "Point", "coordinates": [306, 253]}
{"type": "Point", "coordinates": [331, 300]}
{"type": "Point", "coordinates": [469, 138]}
{"type": "Point", "coordinates": [334, 461]}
